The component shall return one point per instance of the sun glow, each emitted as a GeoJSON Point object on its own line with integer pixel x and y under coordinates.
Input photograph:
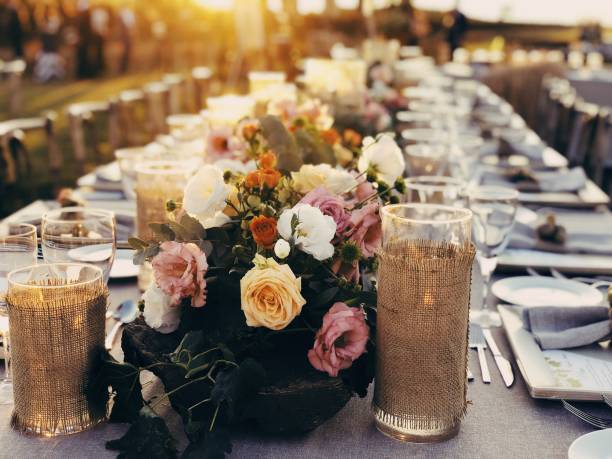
{"type": "Point", "coordinates": [223, 5]}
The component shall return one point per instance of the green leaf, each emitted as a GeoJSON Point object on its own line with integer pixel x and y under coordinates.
{"type": "Point", "coordinates": [148, 437]}
{"type": "Point", "coordinates": [282, 143]}
{"type": "Point", "coordinates": [191, 344]}
{"type": "Point", "coordinates": [235, 384]}
{"type": "Point", "coordinates": [314, 150]}
{"type": "Point", "coordinates": [325, 297]}
{"type": "Point", "coordinates": [163, 231]}
{"type": "Point", "coordinates": [180, 232]}
{"type": "Point", "coordinates": [194, 227]}
{"type": "Point", "coordinates": [209, 445]}
{"type": "Point", "coordinates": [137, 244]}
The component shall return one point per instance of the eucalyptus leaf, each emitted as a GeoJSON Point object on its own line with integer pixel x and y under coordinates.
{"type": "Point", "coordinates": [282, 143]}
{"type": "Point", "coordinates": [163, 231]}
{"type": "Point", "coordinates": [314, 150]}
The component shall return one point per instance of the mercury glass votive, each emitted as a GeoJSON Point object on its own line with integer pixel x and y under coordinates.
{"type": "Point", "coordinates": [57, 317]}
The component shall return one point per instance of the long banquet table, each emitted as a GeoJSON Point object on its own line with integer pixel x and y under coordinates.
{"type": "Point", "coordinates": [500, 423]}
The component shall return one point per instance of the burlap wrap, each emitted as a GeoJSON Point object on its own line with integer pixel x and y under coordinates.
{"type": "Point", "coordinates": [421, 338]}
{"type": "Point", "coordinates": [56, 329]}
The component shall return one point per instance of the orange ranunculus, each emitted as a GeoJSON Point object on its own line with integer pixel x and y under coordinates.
{"type": "Point", "coordinates": [268, 160]}
{"type": "Point", "coordinates": [269, 177]}
{"type": "Point", "coordinates": [253, 179]}
{"type": "Point", "coordinates": [352, 138]}
{"type": "Point", "coordinates": [249, 131]}
{"type": "Point", "coordinates": [264, 230]}
{"type": "Point", "coordinates": [330, 136]}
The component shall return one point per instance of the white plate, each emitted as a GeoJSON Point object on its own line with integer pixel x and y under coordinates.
{"type": "Point", "coordinates": [123, 267]}
{"type": "Point", "coordinates": [545, 291]}
{"type": "Point", "coordinates": [594, 445]}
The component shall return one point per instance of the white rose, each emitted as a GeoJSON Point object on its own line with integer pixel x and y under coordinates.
{"type": "Point", "coordinates": [309, 177]}
{"type": "Point", "coordinates": [205, 196]}
{"type": "Point", "coordinates": [159, 313]}
{"type": "Point", "coordinates": [282, 249]}
{"type": "Point", "coordinates": [236, 166]}
{"type": "Point", "coordinates": [313, 233]}
{"type": "Point", "coordinates": [384, 157]}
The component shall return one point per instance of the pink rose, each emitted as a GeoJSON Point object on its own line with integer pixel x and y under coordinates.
{"type": "Point", "coordinates": [179, 270]}
{"type": "Point", "coordinates": [364, 191]}
{"type": "Point", "coordinates": [329, 204]}
{"type": "Point", "coordinates": [340, 341]}
{"type": "Point", "coordinates": [347, 270]}
{"type": "Point", "coordinates": [366, 229]}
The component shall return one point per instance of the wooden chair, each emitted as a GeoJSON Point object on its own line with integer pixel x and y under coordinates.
{"type": "Point", "coordinates": [157, 100]}
{"type": "Point", "coordinates": [128, 104]}
{"type": "Point", "coordinates": [599, 161]}
{"type": "Point", "coordinates": [15, 161]}
{"type": "Point", "coordinates": [12, 72]}
{"type": "Point", "coordinates": [582, 135]}
{"type": "Point", "coordinates": [201, 78]}
{"type": "Point", "coordinates": [176, 92]}
{"type": "Point", "coordinates": [82, 118]}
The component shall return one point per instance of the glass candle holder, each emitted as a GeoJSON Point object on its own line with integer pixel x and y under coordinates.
{"type": "Point", "coordinates": [157, 182]}
{"type": "Point", "coordinates": [56, 312]}
{"type": "Point", "coordinates": [424, 276]}
{"type": "Point", "coordinates": [425, 159]}
{"type": "Point", "coordinates": [227, 110]}
{"type": "Point", "coordinates": [435, 190]}
{"type": "Point", "coordinates": [127, 159]}
{"type": "Point", "coordinates": [261, 80]}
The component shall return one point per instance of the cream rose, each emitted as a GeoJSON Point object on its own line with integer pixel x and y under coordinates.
{"type": "Point", "coordinates": [205, 196]}
{"type": "Point", "coordinates": [384, 157]}
{"type": "Point", "coordinates": [159, 312]}
{"type": "Point", "coordinates": [310, 177]}
{"type": "Point", "coordinates": [270, 294]}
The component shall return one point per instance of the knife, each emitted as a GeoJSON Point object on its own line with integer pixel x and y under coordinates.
{"type": "Point", "coordinates": [477, 342]}
{"type": "Point", "coordinates": [505, 369]}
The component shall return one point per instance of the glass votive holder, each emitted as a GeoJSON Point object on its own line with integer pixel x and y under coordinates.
{"type": "Point", "coordinates": [57, 317]}
{"type": "Point", "coordinates": [435, 190]}
{"type": "Point", "coordinates": [425, 159]}
{"type": "Point", "coordinates": [127, 159]}
{"type": "Point", "coordinates": [261, 80]}
{"type": "Point", "coordinates": [185, 126]}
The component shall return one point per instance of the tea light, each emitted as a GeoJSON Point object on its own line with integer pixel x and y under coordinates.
{"type": "Point", "coordinates": [262, 80]}
{"type": "Point", "coordinates": [343, 78]}
{"type": "Point", "coordinates": [228, 110]}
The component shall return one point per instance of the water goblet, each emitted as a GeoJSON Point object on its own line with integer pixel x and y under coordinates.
{"type": "Point", "coordinates": [494, 212]}
{"type": "Point", "coordinates": [80, 234]}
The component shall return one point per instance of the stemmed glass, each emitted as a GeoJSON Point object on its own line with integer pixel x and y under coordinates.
{"type": "Point", "coordinates": [80, 234]}
{"type": "Point", "coordinates": [494, 211]}
{"type": "Point", "coordinates": [435, 190]}
{"type": "Point", "coordinates": [18, 249]}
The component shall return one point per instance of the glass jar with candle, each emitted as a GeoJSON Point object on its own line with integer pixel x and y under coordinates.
{"type": "Point", "coordinates": [157, 182]}
{"type": "Point", "coordinates": [424, 277]}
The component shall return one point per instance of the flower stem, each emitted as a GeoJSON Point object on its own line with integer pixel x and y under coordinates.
{"type": "Point", "coordinates": [212, 423]}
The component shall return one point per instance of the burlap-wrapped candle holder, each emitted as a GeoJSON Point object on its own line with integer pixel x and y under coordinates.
{"type": "Point", "coordinates": [56, 316]}
{"type": "Point", "coordinates": [421, 339]}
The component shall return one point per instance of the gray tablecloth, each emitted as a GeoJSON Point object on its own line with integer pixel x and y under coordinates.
{"type": "Point", "coordinates": [500, 423]}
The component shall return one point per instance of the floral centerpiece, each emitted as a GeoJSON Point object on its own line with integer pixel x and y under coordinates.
{"type": "Point", "coordinates": [263, 275]}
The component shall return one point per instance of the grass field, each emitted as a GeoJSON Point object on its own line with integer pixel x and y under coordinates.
{"type": "Point", "coordinates": [38, 98]}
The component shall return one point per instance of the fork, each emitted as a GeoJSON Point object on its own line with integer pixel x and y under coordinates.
{"type": "Point", "coordinates": [595, 421]}
{"type": "Point", "coordinates": [607, 399]}
{"type": "Point", "coordinates": [594, 282]}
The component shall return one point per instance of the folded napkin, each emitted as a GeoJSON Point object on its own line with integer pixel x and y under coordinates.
{"type": "Point", "coordinates": [562, 327]}
{"type": "Point", "coordinates": [577, 241]}
{"type": "Point", "coordinates": [571, 181]}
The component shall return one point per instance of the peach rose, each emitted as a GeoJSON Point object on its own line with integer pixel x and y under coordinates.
{"type": "Point", "coordinates": [270, 294]}
{"type": "Point", "coordinates": [268, 160]}
{"type": "Point", "coordinates": [179, 271]}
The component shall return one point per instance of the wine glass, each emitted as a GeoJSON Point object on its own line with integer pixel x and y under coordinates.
{"type": "Point", "coordinates": [494, 211]}
{"type": "Point", "coordinates": [425, 159]}
{"type": "Point", "coordinates": [18, 249]}
{"type": "Point", "coordinates": [80, 234]}
{"type": "Point", "coordinates": [435, 189]}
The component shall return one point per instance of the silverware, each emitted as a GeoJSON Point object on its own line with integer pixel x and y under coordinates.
{"type": "Point", "coordinates": [595, 421]}
{"type": "Point", "coordinates": [607, 399]}
{"type": "Point", "coordinates": [477, 342]}
{"type": "Point", "coordinates": [126, 312]}
{"type": "Point", "coordinates": [592, 281]}
{"type": "Point", "coordinates": [470, 375]}
{"type": "Point", "coordinates": [505, 369]}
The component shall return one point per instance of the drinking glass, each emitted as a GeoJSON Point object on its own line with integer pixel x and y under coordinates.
{"type": "Point", "coordinates": [127, 159]}
{"type": "Point", "coordinates": [18, 249]}
{"type": "Point", "coordinates": [494, 210]}
{"type": "Point", "coordinates": [425, 159]}
{"type": "Point", "coordinates": [80, 234]}
{"type": "Point", "coordinates": [434, 189]}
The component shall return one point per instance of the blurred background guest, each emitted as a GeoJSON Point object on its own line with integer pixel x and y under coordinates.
{"type": "Point", "coordinates": [49, 64]}
{"type": "Point", "coordinates": [11, 32]}
{"type": "Point", "coordinates": [85, 39]}
{"type": "Point", "coordinates": [456, 24]}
